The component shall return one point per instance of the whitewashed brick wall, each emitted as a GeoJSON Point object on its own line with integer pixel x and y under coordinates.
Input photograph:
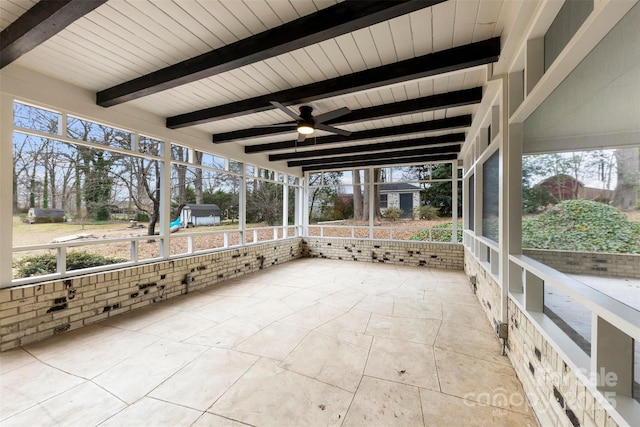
{"type": "Point", "coordinates": [589, 263]}
{"type": "Point", "coordinates": [34, 312]}
{"type": "Point", "coordinates": [435, 255]}
{"type": "Point", "coordinates": [558, 397]}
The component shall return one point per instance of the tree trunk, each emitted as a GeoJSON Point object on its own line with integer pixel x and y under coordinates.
{"type": "Point", "coordinates": [181, 172]}
{"type": "Point", "coordinates": [365, 197]}
{"type": "Point", "coordinates": [45, 190]}
{"type": "Point", "coordinates": [78, 186]}
{"type": "Point", "coordinates": [155, 215]}
{"type": "Point", "coordinates": [198, 178]}
{"type": "Point", "coordinates": [357, 196]}
{"type": "Point", "coordinates": [377, 175]}
{"type": "Point", "coordinates": [625, 195]}
{"type": "Point", "coordinates": [15, 190]}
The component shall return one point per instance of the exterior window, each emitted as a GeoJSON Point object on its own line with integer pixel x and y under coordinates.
{"type": "Point", "coordinates": [490, 190]}
{"type": "Point", "coordinates": [472, 203]}
{"type": "Point", "coordinates": [383, 201]}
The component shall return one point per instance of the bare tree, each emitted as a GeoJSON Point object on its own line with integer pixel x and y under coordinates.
{"type": "Point", "coordinates": [181, 154]}
{"type": "Point", "coordinates": [625, 195]}
{"type": "Point", "coordinates": [357, 195]}
{"type": "Point", "coordinates": [197, 181]}
{"type": "Point", "coordinates": [361, 195]}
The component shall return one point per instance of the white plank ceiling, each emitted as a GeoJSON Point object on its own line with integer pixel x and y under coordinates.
{"type": "Point", "coordinates": [125, 39]}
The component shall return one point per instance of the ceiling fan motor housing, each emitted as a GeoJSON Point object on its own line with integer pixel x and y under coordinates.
{"type": "Point", "coordinates": [305, 116]}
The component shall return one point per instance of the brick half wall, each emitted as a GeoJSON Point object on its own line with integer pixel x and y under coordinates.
{"type": "Point", "coordinates": [558, 397]}
{"type": "Point", "coordinates": [434, 255]}
{"type": "Point", "coordinates": [38, 311]}
{"type": "Point", "coordinates": [557, 394]}
{"type": "Point", "coordinates": [589, 263]}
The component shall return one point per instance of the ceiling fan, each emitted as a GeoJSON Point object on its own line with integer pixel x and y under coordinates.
{"type": "Point", "coordinates": [306, 123]}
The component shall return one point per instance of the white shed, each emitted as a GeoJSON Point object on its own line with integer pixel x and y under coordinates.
{"type": "Point", "coordinates": [401, 195]}
{"type": "Point", "coordinates": [197, 215]}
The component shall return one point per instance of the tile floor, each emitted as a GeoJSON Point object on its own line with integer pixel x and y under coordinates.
{"type": "Point", "coordinates": [307, 343]}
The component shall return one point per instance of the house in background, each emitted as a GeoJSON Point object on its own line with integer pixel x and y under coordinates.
{"type": "Point", "coordinates": [564, 187]}
{"type": "Point", "coordinates": [401, 195]}
{"type": "Point", "coordinates": [193, 215]}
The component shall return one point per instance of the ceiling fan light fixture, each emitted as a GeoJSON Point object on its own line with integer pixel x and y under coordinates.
{"type": "Point", "coordinates": [305, 129]}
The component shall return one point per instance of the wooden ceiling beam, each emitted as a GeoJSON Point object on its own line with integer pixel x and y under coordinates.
{"type": "Point", "coordinates": [430, 126]}
{"type": "Point", "coordinates": [412, 106]}
{"type": "Point", "coordinates": [383, 162]}
{"type": "Point", "coordinates": [38, 24]}
{"type": "Point", "coordinates": [457, 58]}
{"type": "Point", "coordinates": [447, 149]}
{"type": "Point", "coordinates": [322, 25]}
{"type": "Point", "coordinates": [363, 148]}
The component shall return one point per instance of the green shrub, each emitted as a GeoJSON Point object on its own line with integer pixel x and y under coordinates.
{"type": "Point", "coordinates": [393, 213]}
{"type": "Point", "coordinates": [535, 199]}
{"type": "Point", "coordinates": [428, 212]}
{"type": "Point", "coordinates": [141, 217]}
{"type": "Point", "coordinates": [581, 225]}
{"type": "Point", "coordinates": [45, 264]}
{"type": "Point", "coordinates": [438, 233]}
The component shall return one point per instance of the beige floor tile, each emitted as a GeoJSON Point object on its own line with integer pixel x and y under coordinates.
{"type": "Point", "coordinates": [443, 410]}
{"type": "Point", "coordinates": [266, 312]}
{"type": "Point", "coordinates": [342, 369]}
{"type": "Point", "coordinates": [178, 326]}
{"type": "Point", "coordinates": [190, 301]}
{"type": "Point", "coordinates": [231, 304]}
{"type": "Point", "coordinates": [275, 341]}
{"type": "Point", "coordinates": [342, 300]}
{"type": "Point", "coordinates": [418, 309]}
{"type": "Point", "coordinates": [483, 345]}
{"type": "Point", "coordinates": [214, 372]}
{"type": "Point", "coordinates": [215, 312]}
{"type": "Point", "coordinates": [239, 288]}
{"type": "Point", "coordinates": [211, 420]}
{"type": "Point", "coordinates": [300, 280]}
{"type": "Point", "coordinates": [376, 304]}
{"type": "Point", "coordinates": [406, 291]}
{"type": "Point", "coordinates": [404, 362]}
{"type": "Point", "coordinates": [53, 346]}
{"type": "Point", "coordinates": [270, 396]}
{"type": "Point", "coordinates": [368, 328]}
{"type": "Point", "coordinates": [275, 291]}
{"type": "Point", "coordinates": [225, 335]}
{"type": "Point", "coordinates": [84, 405]}
{"type": "Point", "coordinates": [457, 277]}
{"type": "Point", "coordinates": [302, 299]}
{"type": "Point", "coordinates": [138, 319]}
{"type": "Point", "coordinates": [422, 331]}
{"type": "Point", "coordinates": [381, 285]}
{"type": "Point", "coordinates": [331, 287]}
{"type": "Point", "coordinates": [31, 384]}
{"type": "Point", "coordinates": [349, 327]}
{"type": "Point", "coordinates": [95, 358]}
{"type": "Point", "coordinates": [145, 370]}
{"type": "Point", "coordinates": [384, 403]}
{"type": "Point", "coordinates": [313, 316]}
{"type": "Point", "coordinates": [467, 316]}
{"type": "Point", "coordinates": [152, 412]}
{"type": "Point", "coordinates": [461, 295]}
{"type": "Point", "coordinates": [478, 380]}
{"type": "Point", "coordinates": [14, 359]}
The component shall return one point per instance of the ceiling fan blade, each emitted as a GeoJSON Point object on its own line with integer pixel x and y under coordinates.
{"type": "Point", "coordinates": [284, 109]}
{"type": "Point", "coordinates": [301, 137]}
{"type": "Point", "coordinates": [277, 125]}
{"type": "Point", "coordinates": [332, 115]}
{"type": "Point", "coordinates": [333, 129]}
